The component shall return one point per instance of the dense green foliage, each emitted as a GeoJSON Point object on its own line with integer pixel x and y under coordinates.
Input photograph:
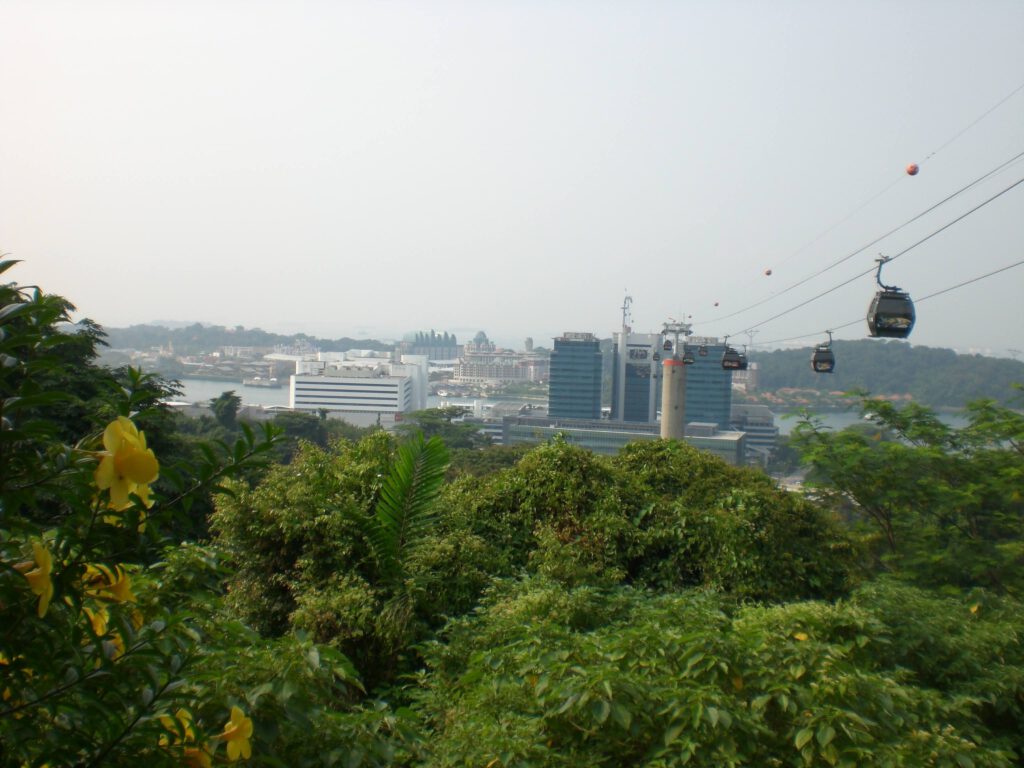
{"type": "Point", "coordinates": [947, 503]}
{"type": "Point", "coordinates": [445, 424]}
{"type": "Point", "coordinates": [932, 376]}
{"type": "Point", "coordinates": [366, 599]}
{"type": "Point", "coordinates": [892, 676]}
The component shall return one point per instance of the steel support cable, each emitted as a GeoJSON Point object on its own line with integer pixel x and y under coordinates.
{"type": "Point", "coordinates": [866, 203]}
{"type": "Point", "coordinates": [917, 301]}
{"type": "Point", "coordinates": [984, 114]}
{"type": "Point", "coordinates": [863, 248]}
{"type": "Point", "coordinates": [909, 248]}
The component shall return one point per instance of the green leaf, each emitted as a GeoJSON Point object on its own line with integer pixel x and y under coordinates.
{"type": "Point", "coordinates": [803, 736]}
{"type": "Point", "coordinates": [600, 709]}
{"type": "Point", "coordinates": [672, 733]}
{"type": "Point", "coordinates": [621, 715]}
{"type": "Point", "coordinates": [825, 735]}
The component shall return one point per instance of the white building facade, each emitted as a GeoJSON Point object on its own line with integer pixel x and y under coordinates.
{"type": "Point", "coordinates": [362, 387]}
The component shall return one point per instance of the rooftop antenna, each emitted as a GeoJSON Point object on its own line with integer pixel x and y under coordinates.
{"type": "Point", "coordinates": [626, 318]}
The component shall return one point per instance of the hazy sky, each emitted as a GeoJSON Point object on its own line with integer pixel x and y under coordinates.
{"type": "Point", "coordinates": [347, 168]}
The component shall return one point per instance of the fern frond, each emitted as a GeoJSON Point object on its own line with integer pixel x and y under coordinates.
{"type": "Point", "coordinates": [404, 512]}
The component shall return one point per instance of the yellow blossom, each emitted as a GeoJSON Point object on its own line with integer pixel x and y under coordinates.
{"type": "Point", "coordinates": [237, 733]}
{"type": "Point", "coordinates": [801, 636]}
{"type": "Point", "coordinates": [180, 726]}
{"type": "Point", "coordinates": [39, 577]}
{"type": "Point", "coordinates": [106, 583]}
{"type": "Point", "coordinates": [127, 466]}
{"type": "Point", "coordinates": [100, 621]}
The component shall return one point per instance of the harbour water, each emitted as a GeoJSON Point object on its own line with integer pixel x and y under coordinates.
{"type": "Point", "coordinates": [205, 390]}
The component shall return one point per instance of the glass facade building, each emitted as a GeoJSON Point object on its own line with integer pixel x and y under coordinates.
{"type": "Point", "coordinates": [574, 383]}
{"type": "Point", "coordinates": [636, 386]}
{"type": "Point", "coordinates": [708, 385]}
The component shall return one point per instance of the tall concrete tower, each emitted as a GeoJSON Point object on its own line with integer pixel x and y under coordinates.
{"type": "Point", "coordinates": [673, 399]}
{"type": "Point", "coordinates": [673, 385]}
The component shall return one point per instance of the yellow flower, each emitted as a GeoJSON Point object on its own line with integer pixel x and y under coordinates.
{"type": "Point", "coordinates": [801, 636]}
{"type": "Point", "coordinates": [105, 583]}
{"type": "Point", "coordinates": [237, 733]}
{"type": "Point", "coordinates": [194, 756]}
{"type": "Point", "coordinates": [127, 466]}
{"type": "Point", "coordinates": [113, 647]}
{"type": "Point", "coordinates": [182, 729]}
{"type": "Point", "coordinates": [39, 577]}
{"type": "Point", "coordinates": [99, 620]}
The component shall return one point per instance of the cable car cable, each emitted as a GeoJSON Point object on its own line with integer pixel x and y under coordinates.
{"type": "Point", "coordinates": [984, 114]}
{"type": "Point", "coordinates": [968, 282]}
{"type": "Point", "coordinates": [909, 248]}
{"type": "Point", "coordinates": [925, 298]}
{"type": "Point", "coordinates": [849, 256]}
{"type": "Point", "coordinates": [877, 195]}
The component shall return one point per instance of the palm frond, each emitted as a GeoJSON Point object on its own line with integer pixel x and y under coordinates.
{"type": "Point", "coordinates": [405, 509]}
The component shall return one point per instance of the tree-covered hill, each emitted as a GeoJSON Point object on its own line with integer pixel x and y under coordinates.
{"type": "Point", "coordinates": [197, 338]}
{"type": "Point", "coordinates": [933, 376]}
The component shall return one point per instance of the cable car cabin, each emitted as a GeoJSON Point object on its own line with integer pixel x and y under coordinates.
{"type": "Point", "coordinates": [743, 361]}
{"type": "Point", "coordinates": [891, 315]}
{"type": "Point", "coordinates": [667, 346]}
{"type": "Point", "coordinates": [733, 360]}
{"type": "Point", "coordinates": [702, 350]}
{"type": "Point", "coordinates": [688, 358]}
{"type": "Point", "coordinates": [823, 360]}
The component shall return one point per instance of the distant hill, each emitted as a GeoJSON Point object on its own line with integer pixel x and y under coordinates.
{"type": "Point", "coordinates": [196, 338]}
{"type": "Point", "coordinates": [932, 376]}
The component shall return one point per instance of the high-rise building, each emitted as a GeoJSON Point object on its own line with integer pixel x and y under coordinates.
{"type": "Point", "coordinates": [574, 390]}
{"type": "Point", "coordinates": [635, 378]}
{"type": "Point", "coordinates": [708, 385]}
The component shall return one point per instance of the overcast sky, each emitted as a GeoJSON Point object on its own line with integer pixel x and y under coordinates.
{"type": "Point", "coordinates": [350, 168]}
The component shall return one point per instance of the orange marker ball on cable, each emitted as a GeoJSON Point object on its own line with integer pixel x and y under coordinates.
{"type": "Point", "coordinates": [912, 169]}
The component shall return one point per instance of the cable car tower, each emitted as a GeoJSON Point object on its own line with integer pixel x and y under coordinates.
{"type": "Point", "coordinates": [676, 329]}
{"type": "Point", "coordinates": [673, 383]}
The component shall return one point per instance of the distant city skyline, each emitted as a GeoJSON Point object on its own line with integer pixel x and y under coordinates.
{"type": "Point", "coordinates": [368, 168]}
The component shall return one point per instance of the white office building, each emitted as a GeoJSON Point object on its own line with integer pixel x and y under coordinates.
{"type": "Point", "coordinates": [362, 388]}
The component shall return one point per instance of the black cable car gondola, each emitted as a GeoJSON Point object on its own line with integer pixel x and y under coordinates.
{"type": "Point", "coordinates": [822, 359]}
{"type": "Point", "coordinates": [667, 346]}
{"type": "Point", "coordinates": [731, 359]}
{"type": "Point", "coordinates": [688, 358]}
{"type": "Point", "coordinates": [891, 314]}
{"type": "Point", "coordinates": [702, 350]}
